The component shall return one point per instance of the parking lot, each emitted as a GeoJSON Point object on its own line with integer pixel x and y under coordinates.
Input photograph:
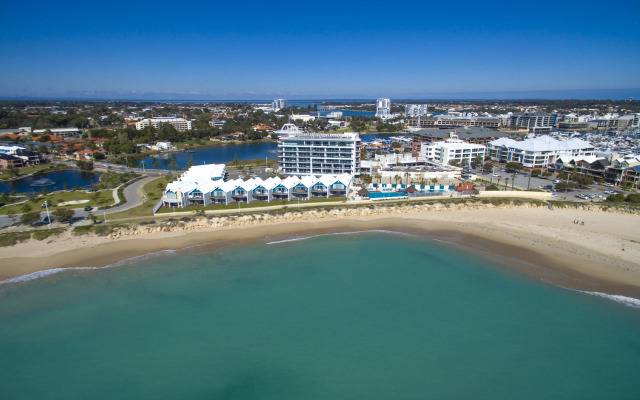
{"type": "Point", "coordinates": [594, 192]}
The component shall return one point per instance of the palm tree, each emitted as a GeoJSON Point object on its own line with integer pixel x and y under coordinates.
{"type": "Point", "coordinates": [406, 178]}
{"type": "Point", "coordinates": [397, 178]}
{"type": "Point", "coordinates": [498, 184]}
{"type": "Point", "coordinates": [506, 183]}
{"type": "Point", "coordinates": [378, 177]}
{"type": "Point", "coordinates": [513, 180]}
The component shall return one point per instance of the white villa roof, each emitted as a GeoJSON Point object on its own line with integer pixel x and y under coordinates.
{"type": "Point", "coordinates": [200, 177]}
{"type": "Point", "coordinates": [542, 143]}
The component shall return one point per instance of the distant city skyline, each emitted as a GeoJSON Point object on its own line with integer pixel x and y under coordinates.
{"type": "Point", "coordinates": [365, 50]}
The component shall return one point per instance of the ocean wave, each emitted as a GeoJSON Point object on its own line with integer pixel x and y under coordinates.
{"type": "Point", "coordinates": [627, 301]}
{"type": "Point", "coordinates": [47, 272]}
{"type": "Point", "coordinates": [296, 239]}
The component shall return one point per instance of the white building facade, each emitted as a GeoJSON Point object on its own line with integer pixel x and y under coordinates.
{"type": "Point", "coordinates": [180, 124]}
{"type": "Point", "coordinates": [415, 110]}
{"type": "Point", "coordinates": [279, 104]}
{"type": "Point", "coordinates": [452, 149]}
{"type": "Point", "coordinates": [318, 153]}
{"type": "Point", "coordinates": [196, 189]}
{"type": "Point", "coordinates": [537, 152]}
{"type": "Point", "coordinates": [383, 108]}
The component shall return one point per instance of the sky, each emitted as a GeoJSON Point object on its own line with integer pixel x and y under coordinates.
{"type": "Point", "coordinates": [206, 50]}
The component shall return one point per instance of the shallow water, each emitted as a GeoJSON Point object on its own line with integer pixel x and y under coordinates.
{"type": "Point", "coordinates": [374, 316]}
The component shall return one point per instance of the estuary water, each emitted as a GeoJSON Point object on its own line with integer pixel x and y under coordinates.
{"type": "Point", "coordinates": [51, 181]}
{"type": "Point", "coordinates": [361, 316]}
{"type": "Point", "coordinates": [212, 155]}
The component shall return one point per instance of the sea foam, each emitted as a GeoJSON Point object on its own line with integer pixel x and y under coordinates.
{"type": "Point", "coordinates": [296, 239]}
{"type": "Point", "coordinates": [627, 301]}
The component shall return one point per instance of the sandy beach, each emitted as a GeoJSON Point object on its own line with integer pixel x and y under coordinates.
{"type": "Point", "coordinates": [600, 253]}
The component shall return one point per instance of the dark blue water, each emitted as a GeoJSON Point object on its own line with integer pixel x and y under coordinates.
{"type": "Point", "coordinates": [212, 155]}
{"type": "Point", "coordinates": [51, 181]}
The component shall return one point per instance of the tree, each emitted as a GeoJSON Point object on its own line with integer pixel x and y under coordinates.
{"type": "Point", "coordinates": [397, 178]}
{"type": "Point", "coordinates": [506, 183]}
{"type": "Point", "coordinates": [406, 178]}
{"type": "Point", "coordinates": [454, 163]}
{"type": "Point", "coordinates": [85, 166]}
{"type": "Point", "coordinates": [30, 218]}
{"type": "Point", "coordinates": [174, 164]}
{"type": "Point", "coordinates": [513, 180]}
{"type": "Point", "coordinates": [488, 166]}
{"type": "Point", "coordinates": [155, 163]}
{"type": "Point", "coordinates": [379, 178]}
{"type": "Point", "coordinates": [535, 173]}
{"type": "Point", "coordinates": [478, 160]}
{"type": "Point", "coordinates": [514, 166]}
{"type": "Point", "coordinates": [26, 208]}
{"type": "Point", "coordinates": [11, 214]}
{"type": "Point", "coordinates": [63, 214]}
{"type": "Point", "coordinates": [366, 179]}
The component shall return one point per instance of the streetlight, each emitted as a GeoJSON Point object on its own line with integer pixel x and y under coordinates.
{"type": "Point", "coordinates": [46, 205]}
{"type": "Point", "coordinates": [142, 162]}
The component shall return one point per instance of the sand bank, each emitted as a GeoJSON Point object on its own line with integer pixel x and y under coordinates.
{"type": "Point", "coordinates": [603, 255]}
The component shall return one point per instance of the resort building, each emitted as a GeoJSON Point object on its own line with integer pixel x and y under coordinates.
{"type": "Point", "coordinates": [468, 134]}
{"type": "Point", "coordinates": [318, 153]}
{"type": "Point", "coordinates": [180, 124]}
{"type": "Point", "coordinates": [452, 149]}
{"type": "Point", "coordinates": [383, 108]}
{"type": "Point", "coordinates": [537, 152]}
{"type": "Point", "coordinates": [203, 192]}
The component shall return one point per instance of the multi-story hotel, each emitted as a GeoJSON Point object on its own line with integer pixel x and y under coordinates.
{"type": "Point", "coordinates": [319, 153]}
{"type": "Point", "coordinates": [538, 152]}
{"type": "Point", "coordinates": [452, 149]}
{"type": "Point", "coordinates": [180, 124]}
{"type": "Point", "coordinates": [203, 185]}
{"type": "Point", "coordinates": [383, 108]}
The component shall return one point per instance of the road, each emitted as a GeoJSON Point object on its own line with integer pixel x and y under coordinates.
{"type": "Point", "coordinates": [133, 194]}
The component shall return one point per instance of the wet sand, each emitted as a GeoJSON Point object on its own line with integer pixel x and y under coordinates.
{"type": "Point", "coordinates": [603, 255]}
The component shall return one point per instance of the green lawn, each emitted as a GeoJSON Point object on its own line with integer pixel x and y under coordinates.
{"type": "Point", "coordinates": [243, 206]}
{"type": "Point", "coordinates": [103, 197]}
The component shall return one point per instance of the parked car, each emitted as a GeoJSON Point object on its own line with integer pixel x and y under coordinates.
{"type": "Point", "coordinates": [88, 208]}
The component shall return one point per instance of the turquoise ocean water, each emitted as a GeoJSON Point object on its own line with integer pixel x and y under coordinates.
{"type": "Point", "coordinates": [363, 316]}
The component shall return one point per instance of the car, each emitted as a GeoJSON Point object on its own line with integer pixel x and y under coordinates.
{"type": "Point", "coordinates": [608, 184]}
{"type": "Point", "coordinates": [496, 174]}
{"type": "Point", "coordinates": [88, 208]}
{"type": "Point", "coordinates": [557, 181]}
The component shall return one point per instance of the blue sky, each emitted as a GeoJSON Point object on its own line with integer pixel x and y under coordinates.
{"type": "Point", "coordinates": [347, 49]}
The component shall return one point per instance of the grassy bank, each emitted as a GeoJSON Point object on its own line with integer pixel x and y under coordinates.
{"type": "Point", "coordinates": [93, 199]}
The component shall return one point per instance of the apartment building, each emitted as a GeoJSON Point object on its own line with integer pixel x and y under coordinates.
{"type": "Point", "coordinates": [452, 149]}
{"type": "Point", "coordinates": [180, 124]}
{"type": "Point", "coordinates": [536, 122]}
{"type": "Point", "coordinates": [279, 104]}
{"type": "Point", "coordinates": [317, 153]}
{"type": "Point", "coordinates": [454, 121]}
{"type": "Point", "coordinates": [383, 108]}
{"type": "Point", "coordinates": [537, 152]}
{"type": "Point", "coordinates": [415, 110]}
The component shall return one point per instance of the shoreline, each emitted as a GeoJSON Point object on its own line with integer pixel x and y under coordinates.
{"type": "Point", "coordinates": [601, 256]}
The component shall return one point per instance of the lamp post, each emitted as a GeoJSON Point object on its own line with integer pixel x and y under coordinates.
{"type": "Point", "coordinates": [46, 205]}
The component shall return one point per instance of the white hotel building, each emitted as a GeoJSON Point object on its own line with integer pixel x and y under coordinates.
{"type": "Point", "coordinates": [383, 108]}
{"type": "Point", "coordinates": [451, 149]}
{"type": "Point", "coordinates": [537, 152]}
{"type": "Point", "coordinates": [204, 185]}
{"type": "Point", "coordinates": [319, 153]}
{"type": "Point", "coordinates": [180, 124]}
